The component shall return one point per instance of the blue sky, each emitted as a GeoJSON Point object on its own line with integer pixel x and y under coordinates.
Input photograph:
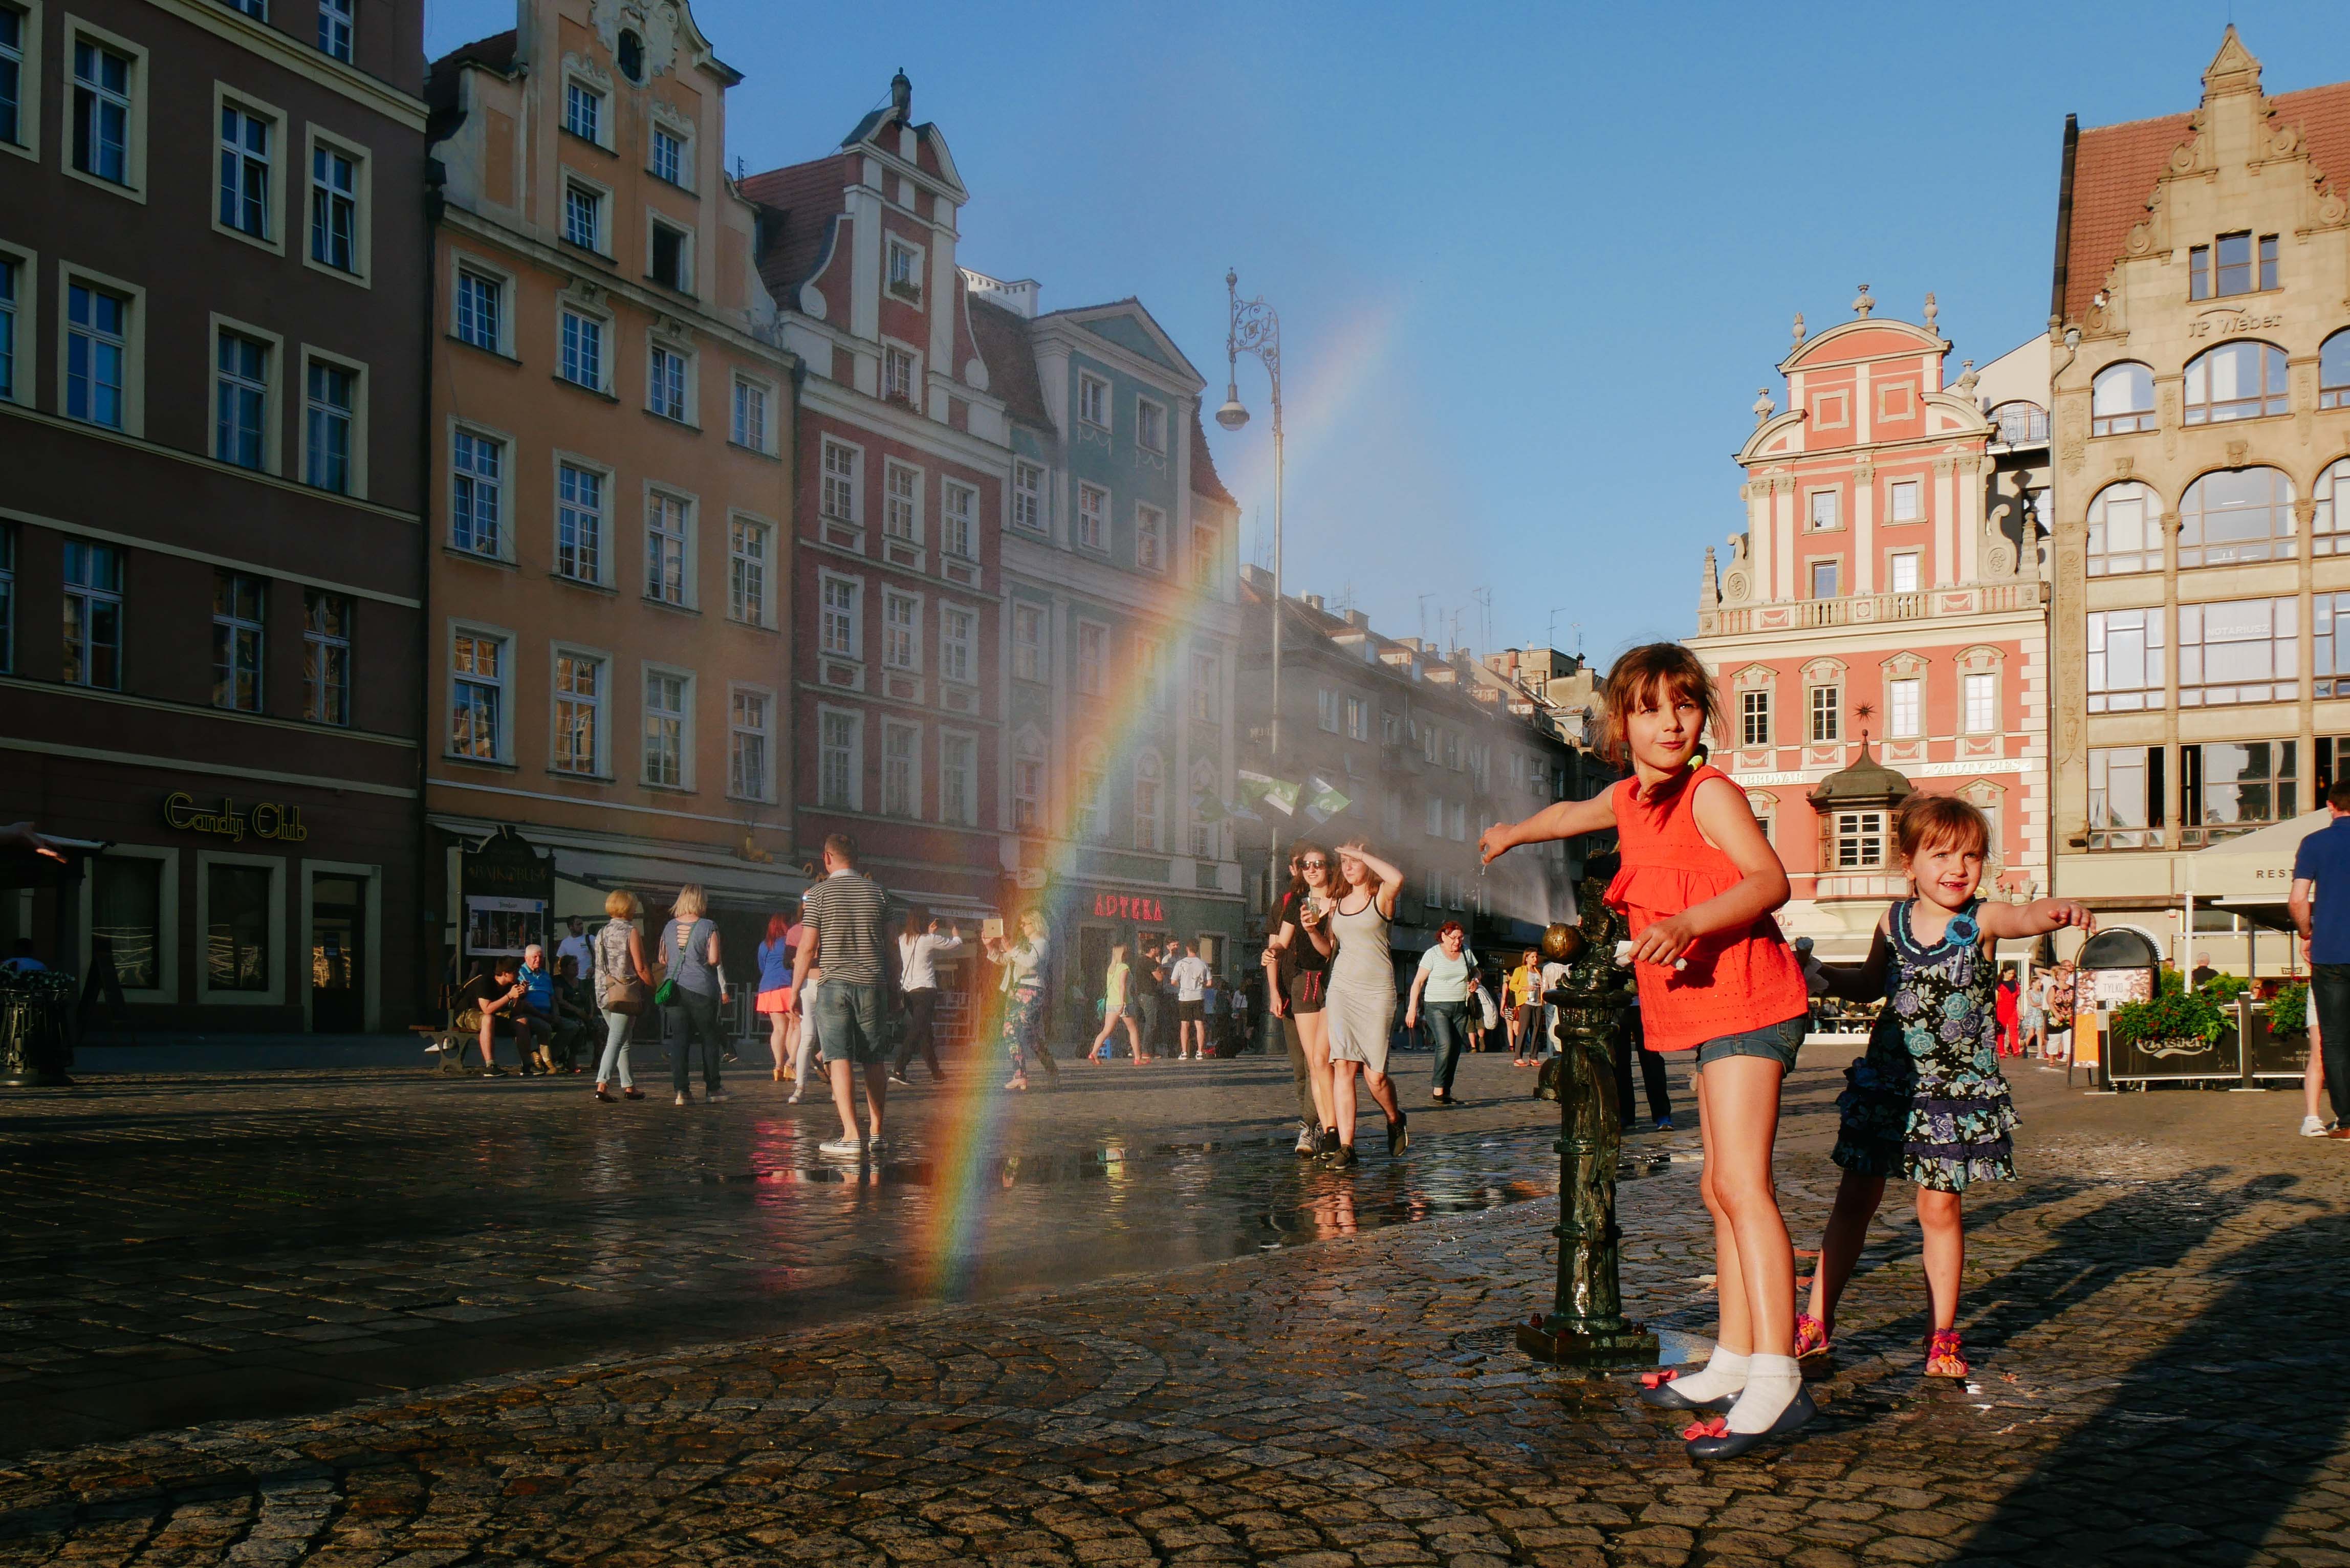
{"type": "Point", "coordinates": [1532, 262]}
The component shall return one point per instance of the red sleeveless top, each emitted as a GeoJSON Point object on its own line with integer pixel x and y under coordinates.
{"type": "Point", "coordinates": [1735, 981]}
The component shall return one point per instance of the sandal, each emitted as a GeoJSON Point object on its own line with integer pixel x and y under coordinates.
{"type": "Point", "coordinates": [1944, 1358]}
{"type": "Point", "coordinates": [1019, 1081]}
{"type": "Point", "coordinates": [1811, 1336]}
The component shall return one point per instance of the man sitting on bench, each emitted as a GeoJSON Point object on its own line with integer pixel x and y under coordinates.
{"type": "Point", "coordinates": [496, 1000]}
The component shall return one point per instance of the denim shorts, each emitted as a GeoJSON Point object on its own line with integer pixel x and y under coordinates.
{"type": "Point", "coordinates": [1779, 1042]}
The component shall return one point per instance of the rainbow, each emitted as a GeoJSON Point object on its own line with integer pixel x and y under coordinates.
{"type": "Point", "coordinates": [1122, 722]}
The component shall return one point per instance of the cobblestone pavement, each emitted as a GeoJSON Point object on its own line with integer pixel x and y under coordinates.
{"type": "Point", "coordinates": [2154, 1314]}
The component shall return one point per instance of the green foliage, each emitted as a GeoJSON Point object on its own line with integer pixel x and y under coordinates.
{"type": "Point", "coordinates": [2177, 1015]}
{"type": "Point", "coordinates": [2223, 989]}
{"type": "Point", "coordinates": [2288, 1009]}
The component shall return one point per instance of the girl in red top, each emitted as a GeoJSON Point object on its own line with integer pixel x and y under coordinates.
{"type": "Point", "coordinates": [1698, 885]}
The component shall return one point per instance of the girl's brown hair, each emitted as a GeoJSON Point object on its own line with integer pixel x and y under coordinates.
{"type": "Point", "coordinates": [1930, 821]}
{"type": "Point", "coordinates": [1638, 674]}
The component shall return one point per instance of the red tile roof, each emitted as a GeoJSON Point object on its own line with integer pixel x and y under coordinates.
{"type": "Point", "coordinates": [2114, 172]}
{"type": "Point", "coordinates": [1002, 338]}
{"type": "Point", "coordinates": [799, 203]}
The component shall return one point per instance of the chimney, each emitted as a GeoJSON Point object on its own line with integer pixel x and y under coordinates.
{"type": "Point", "coordinates": [1313, 601]}
{"type": "Point", "coordinates": [1359, 620]}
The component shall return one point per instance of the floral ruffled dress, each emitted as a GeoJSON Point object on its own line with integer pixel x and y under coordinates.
{"type": "Point", "coordinates": [1928, 1104]}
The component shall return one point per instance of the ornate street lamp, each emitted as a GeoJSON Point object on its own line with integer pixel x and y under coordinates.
{"type": "Point", "coordinates": [1256, 329]}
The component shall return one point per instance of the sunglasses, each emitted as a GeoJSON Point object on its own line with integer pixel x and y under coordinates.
{"type": "Point", "coordinates": [1313, 865]}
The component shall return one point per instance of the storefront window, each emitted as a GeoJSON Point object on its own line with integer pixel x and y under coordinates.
{"type": "Point", "coordinates": [2227, 787]}
{"type": "Point", "coordinates": [126, 918]}
{"type": "Point", "coordinates": [237, 940]}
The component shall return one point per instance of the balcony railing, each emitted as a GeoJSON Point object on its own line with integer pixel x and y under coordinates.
{"type": "Point", "coordinates": [1865, 609]}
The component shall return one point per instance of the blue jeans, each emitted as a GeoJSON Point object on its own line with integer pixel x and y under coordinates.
{"type": "Point", "coordinates": [2330, 984]}
{"type": "Point", "coordinates": [1447, 1023]}
{"type": "Point", "coordinates": [616, 1050]}
{"type": "Point", "coordinates": [849, 1021]}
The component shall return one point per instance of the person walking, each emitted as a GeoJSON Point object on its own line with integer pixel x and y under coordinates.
{"type": "Point", "coordinates": [2004, 1007]}
{"type": "Point", "coordinates": [1117, 1007]}
{"type": "Point", "coordinates": [2320, 904]}
{"type": "Point", "coordinates": [846, 921]}
{"type": "Point", "coordinates": [1928, 1104]}
{"type": "Point", "coordinates": [1297, 974]}
{"type": "Point", "coordinates": [1147, 996]}
{"type": "Point", "coordinates": [1441, 988]}
{"type": "Point", "coordinates": [918, 983]}
{"type": "Point", "coordinates": [772, 1000]}
{"type": "Point", "coordinates": [1362, 999]}
{"type": "Point", "coordinates": [1700, 879]}
{"type": "Point", "coordinates": [1522, 992]}
{"type": "Point", "coordinates": [624, 986]}
{"type": "Point", "coordinates": [690, 951]}
{"type": "Point", "coordinates": [1023, 985]}
{"type": "Point", "coordinates": [1188, 975]}
{"type": "Point", "coordinates": [2312, 1078]}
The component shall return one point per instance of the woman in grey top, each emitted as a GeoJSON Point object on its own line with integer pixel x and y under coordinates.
{"type": "Point", "coordinates": [689, 947]}
{"type": "Point", "coordinates": [1362, 993]}
{"type": "Point", "coordinates": [619, 954]}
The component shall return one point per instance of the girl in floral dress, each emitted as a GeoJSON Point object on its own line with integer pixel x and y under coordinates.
{"type": "Point", "coordinates": [1928, 1103]}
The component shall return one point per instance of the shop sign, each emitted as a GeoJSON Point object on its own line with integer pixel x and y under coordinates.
{"type": "Point", "coordinates": [267, 819]}
{"type": "Point", "coordinates": [507, 887]}
{"type": "Point", "coordinates": [1127, 907]}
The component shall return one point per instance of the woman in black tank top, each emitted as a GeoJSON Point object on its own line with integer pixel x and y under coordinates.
{"type": "Point", "coordinates": [1300, 974]}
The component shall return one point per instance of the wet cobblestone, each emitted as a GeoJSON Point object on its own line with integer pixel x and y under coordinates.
{"type": "Point", "coordinates": [2153, 1313]}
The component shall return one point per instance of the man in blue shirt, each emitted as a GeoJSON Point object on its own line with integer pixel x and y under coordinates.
{"type": "Point", "coordinates": [2321, 909]}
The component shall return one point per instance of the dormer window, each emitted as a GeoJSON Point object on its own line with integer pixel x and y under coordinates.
{"type": "Point", "coordinates": [896, 375]}
{"type": "Point", "coordinates": [2233, 264]}
{"type": "Point", "coordinates": [1150, 425]}
{"type": "Point", "coordinates": [904, 272]}
{"type": "Point", "coordinates": [1093, 401]}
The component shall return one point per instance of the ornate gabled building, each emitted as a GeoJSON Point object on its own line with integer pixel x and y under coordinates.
{"type": "Point", "coordinates": [1887, 587]}
{"type": "Point", "coordinates": [2202, 423]}
{"type": "Point", "coordinates": [904, 464]}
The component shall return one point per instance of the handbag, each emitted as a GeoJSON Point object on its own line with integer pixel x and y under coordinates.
{"type": "Point", "coordinates": [624, 993]}
{"type": "Point", "coordinates": [665, 994]}
{"type": "Point", "coordinates": [1485, 1008]}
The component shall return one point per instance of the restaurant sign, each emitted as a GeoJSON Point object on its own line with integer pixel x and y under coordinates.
{"type": "Point", "coordinates": [264, 819]}
{"type": "Point", "coordinates": [1127, 907]}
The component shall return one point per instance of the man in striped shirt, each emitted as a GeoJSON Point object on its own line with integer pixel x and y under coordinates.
{"type": "Point", "coordinates": [847, 935]}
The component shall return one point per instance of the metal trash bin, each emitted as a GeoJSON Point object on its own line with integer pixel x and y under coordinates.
{"type": "Point", "coordinates": [36, 1023]}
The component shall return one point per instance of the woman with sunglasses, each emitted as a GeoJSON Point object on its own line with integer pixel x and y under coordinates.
{"type": "Point", "coordinates": [1296, 973]}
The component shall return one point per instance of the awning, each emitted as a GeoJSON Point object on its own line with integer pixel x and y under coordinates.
{"type": "Point", "coordinates": [22, 867]}
{"type": "Point", "coordinates": [2251, 874]}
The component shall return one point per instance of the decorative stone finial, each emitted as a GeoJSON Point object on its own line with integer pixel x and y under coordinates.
{"type": "Point", "coordinates": [1712, 593]}
{"type": "Point", "coordinates": [1967, 378]}
{"type": "Point", "coordinates": [1799, 330]}
{"type": "Point", "coordinates": [1763, 407]}
{"type": "Point", "coordinates": [1862, 304]}
{"type": "Point", "coordinates": [1932, 311]}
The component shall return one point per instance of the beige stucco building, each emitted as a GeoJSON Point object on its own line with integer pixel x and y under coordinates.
{"type": "Point", "coordinates": [2200, 378]}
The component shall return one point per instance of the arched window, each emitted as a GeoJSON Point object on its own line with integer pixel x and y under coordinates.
{"type": "Point", "coordinates": [2121, 400]}
{"type": "Point", "coordinates": [2329, 526]}
{"type": "Point", "coordinates": [1207, 812]}
{"type": "Point", "coordinates": [2124, 530]}
{"type": "Point", "coordinates": [2022, 423]}
{"type": "Point", "coordinates": [2236, 514]}
{"type": "Point", "coordinates": [1028, 782]}
{"type": "Point", "coordinates": [2238, 381]}
{"type": "Point", "coordinates": [1149, 819]}
{"type": "Point", "coordinates": [1092, 767]}
{"type": "Point", "coordinates": [2333, 371]}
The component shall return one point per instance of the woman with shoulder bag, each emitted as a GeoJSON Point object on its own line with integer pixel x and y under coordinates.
{"type": "Point", "coordinates": [623, 983]}
{"type": "Point", "coordinates": [696, 987]}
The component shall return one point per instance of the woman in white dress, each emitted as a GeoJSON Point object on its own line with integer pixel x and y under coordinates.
{"type": "Point", "coordinates": [1362, 995]}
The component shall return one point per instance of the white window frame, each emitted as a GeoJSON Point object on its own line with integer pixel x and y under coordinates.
{"type": "Point", "coordinates": [2284, 652]}
{"type": "Point", "coordinates": [579, 89]}
{"type": "Point", "coordinates": [1028, 496]}
{"type": "Point", "coordinates": [1094, 401]}
{"type": "Point", "coordinates": [1150, 523]}
{"type": "Point", "coordinates": [901, 630]}
{"type": "Point", "coordinates": [337, 25]}
{"type": "Point", "coordinates": [274, 996]}
{"type": "Point", "coordinates": [1915, 561]}
{"type": "Point", "coordinates": [1144, 408]}
{"type": "Point", "coordinates": [1914, 490]}
{"type": "Point", "coordinates": [918, 271]}
{"type": "Point", "coordinates": [659, 352]}
{"type": "Point", "coordinates": [1092, 667]}
{"type": "Point", "coordinates": [1151, 661]}
{"type": "Point", "coordinates": [502, 742]}
{"type": "Point", "coordinates": [833, 484]}
{"type": "Point", "coordinates": [316, 647]}
{"type": "Point", "coordinates": [20, 315]}
{"type": "Point", "coordinates": [958, 650]}
{"type": "Point", "coordinates": [1207, 687]}
{"type": "Point", "coordinates": [27, 140]}
{"type": "Point", "coordinates": [571, 179]}
{"type": "Point", "coordinates": [602, 384]}
{"type": "Point", "coordinates": [1834, 509]}
{"type": "Point", "coordinates": [1028, 803]}
{"type": "Point", "coordinates": [689, 249]}
{"type": "Point", "coordinates": [1092, 531]}
{"type": "Point", "coordinates": [1904, 709]}
{"type": "Point", "coordinates": [166, 861]}
{"type": "Point", "coordinates": [959, 808]}
{"type": "Point", "coordinates": [362, 272]}
{"type": "Point", "coordinates": [740, 525]}
{"type": "Point", "coordinates": [503, 520]}
{"type": "Point", "coordinates": [1979, 717]}
{"type": "Point", "coordinates": [273, 421]}
{"type": "Point", "coordinates": [743, 388]}
{"type": "Point", "coordinates": [764, 733]}
{"type": "Point", "coordinates": [892, 470]}
{"type": "Point", "coordinates": [2149, 693]}
{"type": "Point", "coordinates": [686, 534]}
{"type": "Point", "coordinates": [683, 179]}
{"type": "Point", "coordinates": [90, 594]}
{"type": "Point", "coordinates": [852, 793]}
{"type": "Point", "coordinates": [682, 713]}
{"type": "Point", "coordinates": [892, 352]}
{"type": "Point", "coordinates": [910, 808]}
{"type": "Point", "coordinates": [958, 519]}
{"type": "Point", "coordinates": [133, 184]}
{"type": "Point", "coordinates": [1028, 653]}
{"type": "Point", "coordinates": [272, 237]}
{"type": "Point", "coordinates": [1151, 826]}
{"type": "Point", "coordinates": [1817, 733]}
{"type": "Point", "coordinates": [849, 616]}
{"type": "Point", "coordinates": [255, 628]}
{"type": "Point", "coordinates": [358, 489]}
{"type": "Point", "coordinates": [606, 478]}
{"type": "Point", "coordinates": [134, 344]}
{"type": "Point", "coordinates": [1755, 703]}
{"type": "Point", "coordinates": [465, 263]}
{"type": "Point", "coordinates": [599, 703]}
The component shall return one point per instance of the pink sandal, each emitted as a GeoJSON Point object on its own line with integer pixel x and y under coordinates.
{"type": "Point", "coordinates": [1811, 1336]}
{"type": "Point", "coordinates": [1944, 1357]}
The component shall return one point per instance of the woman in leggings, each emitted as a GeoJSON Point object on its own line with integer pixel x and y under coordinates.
{"type": "Point", "coordinates": [1297, 973]}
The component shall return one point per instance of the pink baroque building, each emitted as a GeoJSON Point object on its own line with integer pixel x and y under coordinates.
{"type": "Point", "coordinates": [1880, 626]}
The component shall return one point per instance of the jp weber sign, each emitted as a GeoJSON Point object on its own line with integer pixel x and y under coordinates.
{"type": "Point", "coordinates": [264, 819]}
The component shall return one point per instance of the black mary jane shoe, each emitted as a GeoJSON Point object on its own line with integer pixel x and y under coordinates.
{"type": "Point", "coordinates": [1730, 1445]}
{"type": "Point", "coordinates": [1665, 1396]}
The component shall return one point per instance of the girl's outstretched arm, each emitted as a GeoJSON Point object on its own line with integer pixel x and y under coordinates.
{"type": "Point", "coordinates": [1727, 824]}
{"type": "Point", "coordinates": [1564, 820]}
{"type": "Point", "coordinates": [1863, 982]}
{"type": "Point", "coordinates": [2035, 918]}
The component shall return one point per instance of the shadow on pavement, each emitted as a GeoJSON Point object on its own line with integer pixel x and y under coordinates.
{"type": "Point", "coordinates": [2154, 1478]}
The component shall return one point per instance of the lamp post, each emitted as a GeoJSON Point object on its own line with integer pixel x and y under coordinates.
{"type": "Point", "coordinates": [1256, 329]}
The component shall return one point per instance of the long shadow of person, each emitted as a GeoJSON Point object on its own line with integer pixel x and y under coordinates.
{"type": "Point", "coordinates": [2206, 1451]}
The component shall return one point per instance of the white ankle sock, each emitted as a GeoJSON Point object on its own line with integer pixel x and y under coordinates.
{"type": "Point", "coordinates": [1726, 1373]}
{"type": "Point", "coordinates": [1771, 1383]}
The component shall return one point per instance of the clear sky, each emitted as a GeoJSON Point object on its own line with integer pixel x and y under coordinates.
{"type": "Point", "coordinates": [1532, 262]}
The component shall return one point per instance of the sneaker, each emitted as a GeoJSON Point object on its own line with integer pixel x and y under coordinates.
{"type": "Point", "coordinates": [1309, 1143]}
{"type": "Point", "coordinates": [898, 1077]}
{"type": "Point", "coordinates": [685, 1099]}
{"type": "Point", "coordinates": [876, 1144]}
{"type": "Point", "coordinates": [2312, 1127]}
{"type": "Point", "coordinates": [842, 1148]}
{"type": "Point", "coordinates": [1664, 1124]}
{"type": "Point", "coordinates": [793, 1098]}
{"type": "Point", "coordinates": [716, 1097]}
